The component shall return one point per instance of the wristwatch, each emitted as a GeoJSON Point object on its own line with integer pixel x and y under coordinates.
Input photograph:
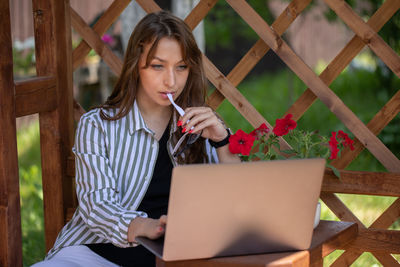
{"type": "Point", "coordinates": [221, 143]}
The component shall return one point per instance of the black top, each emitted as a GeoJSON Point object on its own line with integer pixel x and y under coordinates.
{"type": "Point", "coordinates": [154, 203]}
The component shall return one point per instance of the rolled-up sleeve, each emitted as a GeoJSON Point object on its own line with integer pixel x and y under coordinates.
{"type": "Point", "coordinates": [99, 202]}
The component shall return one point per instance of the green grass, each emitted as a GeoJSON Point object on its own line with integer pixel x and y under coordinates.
{"type": "Point", "coordinates": [271, 95]}
{"type": "Point", "coordinates": [33, 246]}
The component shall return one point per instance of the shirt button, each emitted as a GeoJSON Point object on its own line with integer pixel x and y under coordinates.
{"type": "Point", "coordinates": [146, 178]}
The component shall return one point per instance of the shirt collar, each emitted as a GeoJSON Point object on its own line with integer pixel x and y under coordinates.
{"type": "Point", "coordinates": [135, 120]}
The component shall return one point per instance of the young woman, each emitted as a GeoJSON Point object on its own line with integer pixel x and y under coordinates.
{"type": "Point", "coordinates": [126, 149]}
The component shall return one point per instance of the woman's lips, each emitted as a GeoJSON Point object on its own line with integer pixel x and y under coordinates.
{"type": "Point", "coordinates": [164, 94]}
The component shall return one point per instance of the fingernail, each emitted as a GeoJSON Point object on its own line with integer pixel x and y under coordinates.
{"type": "Point", "coordinates": [183, 130]}
{"type": "Point", "coordinates": [160, 229]}
{"type": "Point", "coordinates": [179, 123]}
{"type": "Point", "coordinates": [191, 131]}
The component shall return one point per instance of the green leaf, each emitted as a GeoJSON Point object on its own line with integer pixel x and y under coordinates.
{"type": "Point", "coordinates": [335, 171]}
{"type": "Point", "coordinates": [289, 151]}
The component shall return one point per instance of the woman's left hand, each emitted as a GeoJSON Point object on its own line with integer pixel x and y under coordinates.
{"type": "Point", "coordinates": [204, 121]}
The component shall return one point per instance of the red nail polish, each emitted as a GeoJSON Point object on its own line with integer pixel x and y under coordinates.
{"type": "Point", "coordinates": [183, 130]}
{"type": "Point", "coordinates": [179, 123]}
{"type": "Point", "coordinates": [191, 131]}
{"type": "Point", "coordinates": [160, 229]}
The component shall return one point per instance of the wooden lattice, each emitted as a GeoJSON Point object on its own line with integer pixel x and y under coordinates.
{"type": "Point", "coordinates": [50, 95]}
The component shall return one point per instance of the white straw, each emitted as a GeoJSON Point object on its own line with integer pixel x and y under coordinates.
{"type": "Point", "coordinates": [178, 108]}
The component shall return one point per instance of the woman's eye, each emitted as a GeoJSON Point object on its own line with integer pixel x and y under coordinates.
{"type": "Point", "coordinates": [156, 66]}
{"type": "Point", "coordinates": [182, 67]}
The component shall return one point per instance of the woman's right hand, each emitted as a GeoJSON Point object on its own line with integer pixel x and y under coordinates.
{"type": "Point", "coordinates": [147, 227]}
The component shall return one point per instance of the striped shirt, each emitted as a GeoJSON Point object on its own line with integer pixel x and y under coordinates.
{"type": "Point", "coordinates": [114, 163]}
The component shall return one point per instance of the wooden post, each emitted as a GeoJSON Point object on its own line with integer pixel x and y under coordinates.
{"type": "Point", "coordinates": [53, 57]}
{"type": "Point", "coordinates": [10, 216]}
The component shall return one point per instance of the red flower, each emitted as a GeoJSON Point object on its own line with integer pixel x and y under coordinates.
{"type": "Point", "coordinates": [260, 131]}
{"type": "Point", "coordinates": [346, 140]}
{"type": "Point", "coordinates": [333, 146]}
{"type": "Point", "coordinates": [283, 126]}
{"type": "Point", "coordinates": [241, 143]}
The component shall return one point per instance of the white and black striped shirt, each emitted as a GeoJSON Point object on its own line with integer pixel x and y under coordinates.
{"type": "Point", "coordinates": [114, 164]}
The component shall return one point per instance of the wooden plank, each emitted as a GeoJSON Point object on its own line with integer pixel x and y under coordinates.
{"type": "Point", "coordinates": [367, 34]}
{"type": "Point", "coordinates": [199, 12]}
{"type": "Point", "coordinates": [65, 92]}
{"type": "Point", "coordinates": [241, 104]}
{"type": "Point", "coordinates": [10, 211]}
{"type": "Point", "coordinates": [340, 209]}
{"type": "Point", "coordinates": [350, 256]}
{"type": "Point", "coordinates": [148, 5]}
{"type": "Point", "coordinates": [53, 40]}
{"type": "Point", "coordinates": [345, 56]}
{"type": "Point", "coordinates": [35, 95]}
{"type": "Point", "coordinates": [323, 246]}
{"type": "Point", "coordinates": [376, 240]}
{"type": "Point", "coordinates": [94, 40]}
{"type": "Point", "coordinates": [365, 183]}
{"type": "Point", "coordinates": [376, 125]}
{"type": "Point", "coordinates": [334, 103]}
{"type": "Point", "coordinates": [388, 217]}
{"type": "Point", "coordinates": [100, 27]}
{"type": "Point", "coordinates": [259, 49]}
{"type": "Point", "coordinates": [78, 111]}
{"type": "Point", "coordinates": [386, 259]}
{"type": "Point", "coordinates": [69, 213]}
{"type": "Point", "coordinates": [346, 259]}
{"type": "Point", "coordinates": [71, 166]}
{"type": "Point", "coordinates": [296, 259]}
{"type": "Point", "coordinates": [343, 213]}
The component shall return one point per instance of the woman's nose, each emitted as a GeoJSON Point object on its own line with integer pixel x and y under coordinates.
{"type": "Point", "coordinates": [170, 78]}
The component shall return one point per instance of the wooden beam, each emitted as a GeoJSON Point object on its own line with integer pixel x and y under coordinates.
{"type": "Point", "coordinates": [148, 5]}
{"type": "Point", "coordinates": [379, 240]}
{"type": "Point", "coordinates": [367, 34]}
{"type": "Point", "coordinates": [336, 205]}
{"type": "Point", "coordinates": [259, 49]}
{"type": "Point", "coordinates": [35, 95]}
{"type": "Point", "coordinates": [100, 27]}
{"type": "Point", "coordinates": [10, 211]}
{"type": "Point", "coordinates": [199, 12]}
{"type": "Point", "coordinates": [366, 183]}
{"type": "Point", "coordinates": [94, 40]}
{"type": "Point", "coordinates": [333, 102]}
{"type": "Point", "coordinates": [241, 104]}
{"type": "Point", "coordinates": [53, 56]}
{"type": "Point", "coordinates": [376, 125]}
{"type": "Point", "coordinates": [325, 247]}
{"type": "Point", "coordinates": [345, 56]}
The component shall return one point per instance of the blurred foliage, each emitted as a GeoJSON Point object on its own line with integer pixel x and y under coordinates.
{"type": "Point", "coordinates": [30, 176]}
{"type": "Point", "coordinates": [24, 63]}
{"type": "Point", "coordinates": [225, 27]}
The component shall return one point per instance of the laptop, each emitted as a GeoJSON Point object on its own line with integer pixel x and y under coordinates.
{"type": "Point", "coordinates": [243, 208]}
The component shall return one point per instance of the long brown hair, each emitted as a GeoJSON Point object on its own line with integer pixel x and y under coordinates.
{"type": "Point", "coordinates": [151, 29]}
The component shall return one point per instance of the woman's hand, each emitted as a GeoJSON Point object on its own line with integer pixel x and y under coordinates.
{"type": "Point", "coordinates": [147, 227]}
{"type": "Point", "coordinates": [204, 121]}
